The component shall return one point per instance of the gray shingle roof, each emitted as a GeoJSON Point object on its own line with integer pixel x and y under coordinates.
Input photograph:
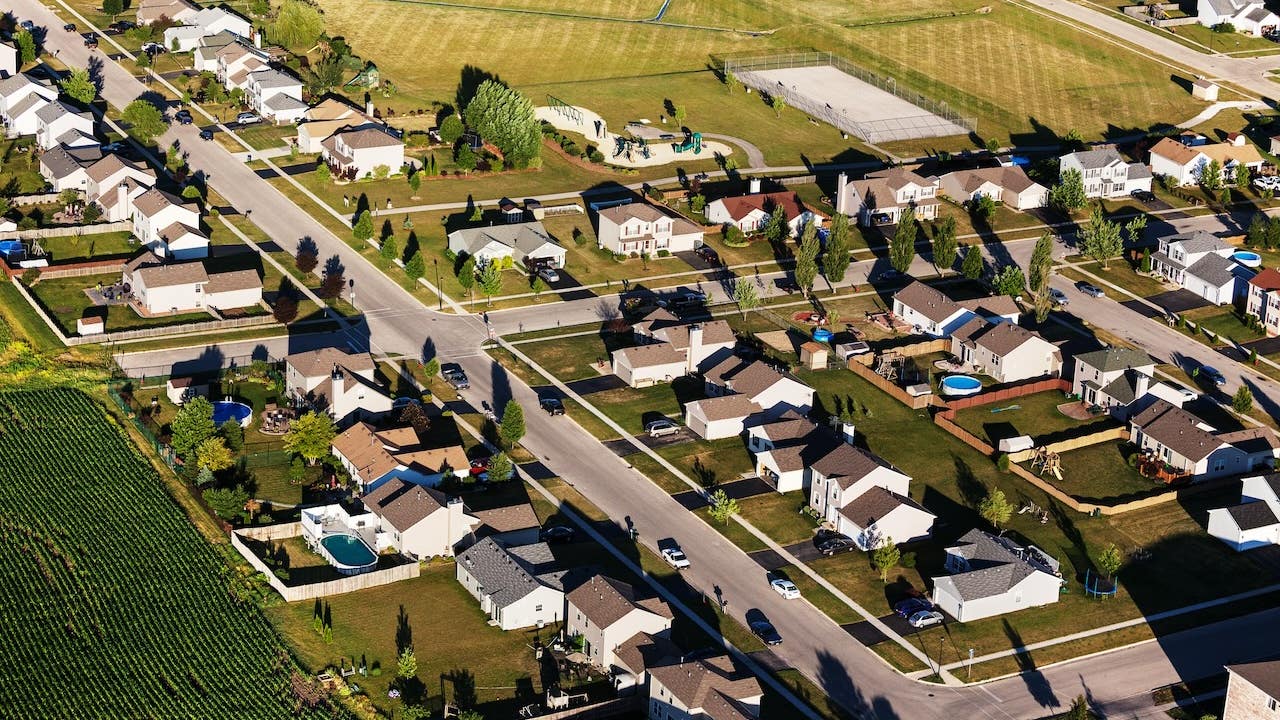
{"type": "Point", "coordinates": [404, 504]}
{"type": "Point", "coordinates": [523, 238]}
{"type": "Point", "coordinates": [1214, 270]}
{"type": "Point", "coordinates": [927, 301]}
{"type": "Point", "coordinates": [604, 601]}
{"type": "Point", "coordinates": [1124, 389]}
{"type": "Point", "coordinates": [1254, 515]}
{"type": "Point", "coordinates": [1198, 241]}
{"type": "Point", "coordinates": [1263, 675]}
{"type": "Point", "coordinates": [272, 78]}
{"type": "Point", "coordinates": [994, 569]}
{"type": "Point", "coordinates": [1177, 430]}
{"type": "Point", "coordinates": [1115, 358]}
{"type": "Point", "coordinates": [1097, 159]}
{"type": "Point", "coordinates": [507, 575]}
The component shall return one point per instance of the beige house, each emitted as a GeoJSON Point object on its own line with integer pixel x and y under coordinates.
{"type": "Point", "coordinates": [1188, 446]}
{"type": "Point", "coordinates": [705, 689]}
{"type": "Point", "coordinates": [866, 498]}
{"type": "Point", "coordinates": [115, 184]}
{"type": "Point", "coordinates": [775, 391]}
{"type": "Point", "coordinates": [719, 417]}
{"type": "Point", "coordinates": [150, 11]}
{"type": "Point", "coordinates": [607, 612]}
{"type": "Point", "coordinates": [1008, 185]}
{"type": "Point", "coordinates": [341, 384]}
{"type": "Point", "coordinates": [1253, 691]}
{"type": "Point", "coordinates": [417, 521]}
{"type": "Point", "coordinates": [1263, 301]}
{"type": "Point", "coordinates": [931, 312]}
{"type": "Point", "coordinates": [1005, 351]}
{"type": "Point", "coordinates": [880, 198]}
{"type": "Point", "coordinates": [1185, 163]}
{"type": "Point", "coordinates": [168, 226]}
{"type": "Point", "coordinates": [328, 117]}
{"type": "Point", "coordinates": [645, 228]}
{"type": "Point", "coordinates": [178, 287]}
{"type": "Point", "coordinates": [668, 348]}
{"type": "Point", "coordinates": [360, 153]}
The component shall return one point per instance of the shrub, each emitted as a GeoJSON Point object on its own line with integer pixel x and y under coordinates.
{"type": "Point", "coordinates": [734, 238]}
{"type": "Point", "coordinates": [664, 253]}
{"type": "Point", "coordinates": [1132, 459]}
{"type": "Point", "coordinates": [30, 276]}
{"type": "Point", "coordinates": [908, 560]}
{"type": "Point", "coordinates": [1003, 462]}
{"type": "Point", "coordinates": [28, 223]}
{"type": "Point", "coordinates": [596, 156]}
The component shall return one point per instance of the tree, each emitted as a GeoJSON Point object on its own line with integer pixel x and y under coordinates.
{"type": "Point", "coordinates": [538, 286]}
{"type": "Point", "coordinates": [142, 60]}
{"type": "Point", "coordinates": [113, 7]}
{"type": "Point", "coordinates": [285, 309]}
{"type": "Point", "coordinates": [325, 75]}
{"type": "Point", "coordinates": [1256, 235]}
{"type": "Point", "coordinates": [902, 248]}
{"type": "Point", "coordinates": [416, 267]}
{"type": "Point", "coordinates": [506, 118]}
{"type": "Point", "coordinates": [233, 434]}
{"type": "Point", "coordinates": [214, 454]}
{"type": "Point", "coordinates": [1240, 175]}
{"type": "Point", "coordinates": [1242, 401]}
{"type": "Point", "coordinates": [389, 250]}
{"type": "Point", "coordinates": [1068, 195]}
{"type": "Point", "coordinates": [745, 295]}
{"type": "Point", "coordinates": [26, 43]}
{"type": "Point", "coordinates": [306, 260]}
{"type": "Point", "coordinates": [415, 183]}
{"type": "Point", "coordinates": [406, 664]}
{"type": "Point", "coordinates": [1079, 710]}
{"type": "Point", "coordinates": [1211, 176]}
{"type": "Point", "coordinates": [227, 503]}
{"type": "Point", "coordinates": [806, 269]}
{"type": "Point", "coordinates": [451, 129]}
{"type": "Point", "coordinates": [778, 103]}
{"type": "Point", "coordinates": [191, 192]}
{"type": "Point", "coordinates": [984, 208]}
{"type": "Point", "coordinates": [79, 86]}
{"type": "Point", "coordinates": [885, 557]}
{"type": "Point", "coordinates": [835, 260]}
{"type": "Point", "coordinates": [945, 245]}
{"type": "Point", "coordinates": [470, 714]}
{"type": "Point", "coordinates": [1009, 281]}
{"type": "Point", "coordinates": [145, 120]}
{"type": "Point", "coordinates": [995, 508]}
{"type": "Point", "coordinates": [1110, 560]}
{"type": "Point", "coordinates": [972, 265]}
{"type": "Point", "coordinates": [92, 213]}
{"type": "Point", "coordinates": [381, 172]}
{"type": "Point", "coordinates": [1133, 229]}
{"type": "Point", "coordinates": [1043, 303]}
{"type": "Point", "coordinates": [1100, 237]}
{"type": "Point", "coordinates": [332, 284]}
{"type": "Point", "coordinates": [191, 426]}
{"type": "Point", "coordinates": [490, 280]}
{"type": "Point", "coordinates": [363, 228]}
{"type": "Point", "coordinates": [511, 427]}
{"type": "Point", "coordinates": [775, 228]}
{"type": "Point", "coordinates": [501, 468]}
{"type": "Point", "coordinates": [296, 24]}
{"type": "Point", "coordinates": [1041, 262]}
{"type": "Point", "coordinates": [723, 507]}
{"type": "Point", "coordinates": [310, 436]}
{"type": "Point", "coordinates": [205, 478]}
{"type": "Point", "coordinates": [465, 158]}
{"type": "Point", "coordinates": [680, 113]}
{"type": "Point", "coordinates": [467, 275]}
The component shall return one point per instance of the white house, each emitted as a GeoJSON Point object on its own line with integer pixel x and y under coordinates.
{"type": "Point", "coordinates": [179, 11]}
{"type": "Point", "coordinates": [331, 115]}
{"type": "Point", "coordinates": [235, 62]}
{"type": "Point", "coordinates": [371, 456]}
{"type": "Point", "coordinates": [160, 287]}
{"type": "Point", "coordinates": [1188, 446]}
{"type": "Point", "coordinates": [931, 312]}
{"type": "Point", "coordinates": [992, 575]}
{"type": "Point", "coordinates": [203, 23]}
{"type": "Point", "coordinates": [115, 183]}
{"type": "Point", "coordinates": [1185, 163]}
{"type": "Point", "coordinates": [1005, 184]}
{"type": "Point", "coordinates": [66, 168]}
{"type": "Point", "coordinates": [1263, 300]}
{"type": "Point", "coordinates": [1005, 351]}
{"type": "Point", "coordinates": [517, 587]}
{"type": "Point", "coordinates": [881, 198]}
{"type": "Point", "coordinates": [525, 243]}
{"type": "Point", "coordinates": [1253, 691]}
{"type": "Point", "coordinates": [1255, 521]}
{"type": "Point", "coordinates": [1247, 16]}
{"type": "Point", "coordinates": [275, 95]}
{"type": "Point", "coordinates": [1112, 378]}
{"type": "Point", "coordinates": [605, 613]}
{"type": "Point", "coordinates": [330, 379]}
{"type": "Point", "coordinates": [750, 213]}
{"type": "Point", "coordinates": [168, 226]}
{"type": "Point", "coordinates": [21, 96]}
{"type": "Point", "coordinates": [719, 417]}
{"type": "Point", "coordinates": [1201, 263]}
{"type": "Point", "coordinates": [668, 348]}
{"type": "Point", "coordinates": [785, 449]}
{"type": "Point", "coordinates": [776, 392]}
{"type": "Point", "coordinates": [8, 60]}
{"type": "Point", "coordinates": [417, 521]}
{"type": "Point", "coordinates": [361, 152]}
{"type": "Point", "coordinates": [712, 688]}
{"type": "Point", "coordinates": [205, 57]}
{"type": "Point", "coordinates": [841, 478]}
{"type": "Point", "coordinates": [644, 228]}
{"type": "Point", "coordinates": [1105, 173]}
{"type": "Point", "coordinates": [57, 123]}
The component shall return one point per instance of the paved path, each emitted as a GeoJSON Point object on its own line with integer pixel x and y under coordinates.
{"type": "Point", "coordinates": [1208, 113]}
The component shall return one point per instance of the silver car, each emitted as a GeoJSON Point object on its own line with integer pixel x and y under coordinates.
{"type": "Point", "coordinates": [661, 428]}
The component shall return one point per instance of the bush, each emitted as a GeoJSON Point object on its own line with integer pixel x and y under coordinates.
{"type": "Point", "coordinates": [30, 276]}
{"type": "Point", "coordinates": [595, 156]}
{"type": "Point", "coordinates": [573, 149]}
{"type": "Point", "coordinates": [908, 560]}
{"type": "Point", "coordinates": [1224, 27]}
{"type": "Point", "coordinates": [28, 223]}
{"type": "Point", "coordinates": [734, 238]}
{"type": "Point", "coordinates": [450, 255]}
{"type": "Point", "coordinates": [1003, 462]}
{"type": "Point", "coordinates": [1132, 459]}
{"type": "Point", "coordinates": [664, 253]}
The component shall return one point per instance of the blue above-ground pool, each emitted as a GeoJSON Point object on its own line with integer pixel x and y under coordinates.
{"type": "Point", "coordinates": [348, 553]}
{"type": "Point", "coordinates": [1247, 258]}
{"type": "Point", "coordinates": [12, 250]}
{"type": "Point", "coordinates": [822, 335]}
{"type": "Point", "coordinates": [960, 385]}
{"type": "Point", "coordinates": [224, 410]}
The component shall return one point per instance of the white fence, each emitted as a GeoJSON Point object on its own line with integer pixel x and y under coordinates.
{"type": "Point", "coordinates": [314, 590]}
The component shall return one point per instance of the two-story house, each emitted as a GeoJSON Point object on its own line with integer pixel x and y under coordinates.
{"type": "Point", "coordinates": [517, 587]}
{"type": "Point", "coordinates": [740, 393]}
{"type": "Point", "coordinates": [275, 95]}
{"type": "Point", "coordinates": [1189, 447]}
{"type": "Point", "coordinates": [169, 226]}
{"type": "Point", "coordinates": [704, 689]}
{"type": "Point", "coordinates": [1008, 185]}
{"type": "Point", "coordinates": [359, 153]}
{"type": "Point", "coordinates": [1005, 351]}
{"type": "Point", "coordinates": [866, 498]}
{"type": "Point", "coordinates": [8, 60]}
{"type": "Point", "coordinates": [606, 612]}
{"type": "Point", "coordinates": [342, 384]}
{"type": "Point", "coordinates": [1247, 16]}
{"type": "Point", "coordinates": [931, 312]}
{"type": "Point", "coordinates": [203, 23]}
{"type": "Point", "coordinates": [159, 287]}
{"type": "Point", "coordinates": [666, 350]}
{"type": "Point", "coordinates": [21, 96]}
{"type": "Point", "coordinates": [880, 198]}
{"type": "Point", "coordinates": [787, 448]}
{"type": "Point", "coordinates": [149, 11]}
{"type": "Point", "coordinates": [1185, 163]}
{"type": "Point", "coordinates": [1112, 378]}
{"type": "Point", "coordinates": [992, 575]}
{"type": "Point", "coordinates": [235, 62]}
{"type": "Point", "coordinates": [1105, 173]}
{"type": "Point", "coordinates": [372, 457]}
{"type": "Point", "coordinates": [1253, 522]}
{"type": "Point", "coordinates": [57, 123]}
{"type": "Point", "coordinates": [1263, 301]}
{"type": "Point", "coordinates": [66, 168]}
{"type": "Point", "coordinates": [1253, 689]}
{"type": "Point", "coordinates": [750, 213]}
{"type": "Point", "coordinates": [644, 228]}
{"type": "Point", "coordinates": [417, 521]}
{"type": "Point", "coordinates": [331, 115]}
{"type": "Point", "coordinates": [1201, 263]}
{"type": "Point", "coordinates": [115, 183]}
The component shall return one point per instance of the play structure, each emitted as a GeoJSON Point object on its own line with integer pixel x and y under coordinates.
{"type": "Point", "coordinates": [1096, 586]}
{"type": "Point", "coordinates": [1047, 462]}
{"type": "Point", "coordinates": [564, 109]}
{"type": "Point", "coordinates": [1039, 513]}
{"type": "Point", "coordinates": [692, 142]}
{"type": "Point", "coordinates": [641, 145]}
{"type": "Point", "coordinates": [890, 366]}
{"type": "Point", "coordinates": [369, 77]}
{"type": "Point", "coordinates": [1152, 466]}
{"type": "Point", "coordinates": [624, 147]}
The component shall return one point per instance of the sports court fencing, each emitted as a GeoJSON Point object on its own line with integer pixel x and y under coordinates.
{"type": "Point", "coordinates": [942, 119]}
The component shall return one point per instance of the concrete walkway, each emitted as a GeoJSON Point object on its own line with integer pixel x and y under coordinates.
{"type": "Point", "coordinates": [1208, 113]}
{"type": "Point", "coordinates": [590, 125]}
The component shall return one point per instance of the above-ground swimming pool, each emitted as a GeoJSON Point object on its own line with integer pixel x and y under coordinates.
{"type": "Point", "coordinates": [958, 385]}
{"type": "Point", "coordinates": [1247, 258]}
{"type": "Point", "coordinates": [822, 335]}
{"type": "Point", "coordinates": [12, 249]}
{"type": "Point", "coordinates": [224, 410]}
{"type": "Point", "coordinates": [348, 553]}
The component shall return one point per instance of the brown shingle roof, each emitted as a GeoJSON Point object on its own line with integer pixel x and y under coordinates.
{"type": "Point", "coordinates": [507, 519]}
{"type": "Point", "coordinates": [714, 332]}
{"type": "Point", "coordinates": [726, 407]}
{"type": "Point", "coordinates": [233, 280]}
{"type": "Point", "coordinates": [992, 306]}
{"type": "Point", "coordinates": [643, 651]}
{"type": "Point", "coordinates": [619, 214]}
{"type": "Point", "coordinates": [367, 138]}
{"type": "Point", "coordinates": [1003, 338]}
{"type": "Point", "coordinates": [361, 446]}
{"type": "Point", "coordinates": [1263, 675]}
{"type": "Point", "coordinates": [873, 505]}
{"type": "Point", "coordinates": [404, 504]}
{"type": "Point", "coordinates": [754, 379]}
{"type": "Point", "coordinates": [1176, 429]}
{"type": "Point", "coordinates": [111, 164]}
{"type": "Point", "coordinates": [154, 200]}
{"type": "Point", "coordinates": [651, 355]}
{"type": "Point", "coordinates": [694, 682]}
{"type": "Point", "coordinates": [604, 601]}
{"type": "Point", "coordinates": [848, 464]}
{"type": "Point", "coordinates": [315, 363]}
{"type": "Point", "coordinates": [741, 206]}
{"type": "Point", "coordinates": [156, 276]}
{"type": "Point", "coordinates": [1173, 150]}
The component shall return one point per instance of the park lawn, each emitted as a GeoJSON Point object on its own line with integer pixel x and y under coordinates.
{"type": "Point", "coordinates": [578, 357]}
{"type": "Point", "coordinates": [1033, 415]}
{"type": "Point", "coordinates": [1120, 273]}
{"type": "Point", "coordinates": [1223, 321]}
{"type": "Point", "coordinates": [66, 300]}
{"type": "Point", "coordinates": [1100, 472]}
{"type": "Point", "coordinates": [620, 9]}
{"type": "Point", "coordinates": [88, 247]}
{"type": "Point", "coordinates": [778, 516]}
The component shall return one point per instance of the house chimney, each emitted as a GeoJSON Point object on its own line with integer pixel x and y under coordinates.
{"type": "Point", "coordinates": [336, 373]}
{"type": "Point", "coordinates": [694, 354]}
{"type": "Point", "coordinates": [257, 40]}
{"type": "Point", "coordinates": [1141, 385]}
{"type": "Point", "coordinates": [754, 186]}
{"type": "Point", "coordinates": [842, 182]}
{"type": "Point", "coordinates": [122, 201]}
{"type": "Point", "coordinates": [847, 432]}
{"type": "Point", "coordinates": [368, 106]}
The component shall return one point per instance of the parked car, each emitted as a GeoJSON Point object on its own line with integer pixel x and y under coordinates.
{"type": "Point", "coordinates": [27, 25]}
{"type": "Point", "coordinates": [480, 466]}
{"type": "Point", "coordinates": [152, 48]}
{"type": "Point", "coordinates": [925, 618]}
{"type": "Point", "coordinates": [1187, 394]}
{"type": "Point", "coordinates": [403, 402]}
{"type": "Point", "coordinates": [708, 254]}
{"type": "Point", "coordinates": [549, 274]}
{"type": "Point", "coordinates": [1212, 374]}
{"type": "Point", "coordinates": [661, 428]}
{"type": "Point", "coordinates": [557, 534]}
{"type": "Point", "coordinates": [122, 25]}
{"type": "Point", "coordinates": [837, 545]}
{"type": "Point", "coordinates": [786, 589]}
{"type": "Point", "coordinates": [247, 118]}
{"type": "Point", "coordinates": [1143, 196]}
{"type": "Point", "coordinates": [184, 117]}
{"type": "Point", "coordinates": [206, 134]}
{"type": "Point", "coordinates": [675, 557]}
{"type": "Point", "coordinates": [90, 41]}
{"type": "Point", "coordinates": [1267, 182]}
{"type": "Point", "coordinates": [683, 299]}
{"type": "Point", "coordinates": [69, 27]}
{"type": "Point", "coordinates": [553, 406]}
{"type": "Point", "coordinates": [455, 376]}
{"type": "Point", "coordinates": [1090, 289]}
{"type": "Point", "coordinates": [909, 607]}
{"type": "Point", "coordinates": [888, 274]}
{"type": "Point", "coordinates": [1058, 297]}
{"type": "Point", "coordinates": [767, 633]}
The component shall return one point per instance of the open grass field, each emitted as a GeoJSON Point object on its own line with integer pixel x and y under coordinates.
{"type": "Point", "coordinates": [139, 619]}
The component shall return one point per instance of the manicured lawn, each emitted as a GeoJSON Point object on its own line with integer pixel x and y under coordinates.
{"type": "Point", "coordinates": [1100, 471]}
{"type": "Point", "coordinates": [65, 298]}
{"type": "Point", "coordinates": [1033, 415]}
{"type": "Point", "coordinates": [88, 247]}
{"type": "Point", "coordinates": [1122, 274]}
{"type": "Point", "coordinates": [710, 462]}
{"type": "Point", "coordinates": [733, 532]}
{"type": "Point", "coordinates": [576, 358]}
{"type": "Point", "coordinates": [266, 135]}
{"type": "Point", "coordinates": [1224, 322]}
{"type": "Point", "coordinates": [20, 168]}
{"type": "Point", "coordinates": [633, 407]}
{"type": "Point", "coordinates": [25, 320]}
{"type": "Point", "coordinates": [778, 516]}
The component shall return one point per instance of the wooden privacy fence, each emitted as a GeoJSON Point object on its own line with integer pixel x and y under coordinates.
{"type": "Point", "coordinates": [81, 269]}
{"type": "Point", "coordinates": [1100, 436]}
{"type": "Point", "coordinates": [902, 396]}
{"type": "Point", "coordinates": [350, 583]}
{"type": "Point", "coordinates": [66, 230]}
{"type": "Point", "coordinates": [1006, 392]}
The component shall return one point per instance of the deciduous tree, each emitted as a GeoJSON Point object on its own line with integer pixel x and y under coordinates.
{"type": "Point", "coordinates": [835, 259]}
{"type": "Point", "coordinates": [467, 275]}
{"type": "Point", "coordinates": [1100, 238]}
{"type": "Point", "coordinates": [1041, 262]}
{"type": "Point", "coordinates": [490, 280]}
{"type": "Point", "coordinates": [1110, 560]}
{"type": "Point", "coordinates": [416, 267]}
{"type": "Point", "coordinates": [945, 245]}
{"type": "Point", "coordinates": [214, 454]}
{"type": "Point", "coordinates": [995, 508]}
{"type": "Point", "coordinates": [79, 86]}
{"type": "Point", "coordinates": [885, 557]}
{"type": "Point", "coordinates": [451, 129]}
{"type": "Point", "coordinates": [511, 427]}
{"type": "Point", "coordinates": [745, 295]}
{"type": "Point", "coordinates": [390, 249]}
{"type": "Point", "coordinates": [902, 247]}
{"type": "Point", "coordinates": [723, 507]}
{"type": "Point", "coordinates": [191, 426]}
{"type": "Point", "coordinates": [145, 120]}
{"type": "Point", "coordinates": [806, 268]}
{"type": "Point", "coordinates": [310, 436]}
{"type": "Point", "coordinates": [296, 24]}
{"type": "Point", "coordinates": [1009, 281]}
{"type": "Point", "coordinates": [363, 228]}
{"type": "Point", "coordinates": [1068, 195]}
{"type": "Point", "coordinates": [972, 265]}
{"type": "Point", "coordinates": [506, 118]}
{"type": "Point", "coordinates": [26, 43]}
{"type": "Point", "coordinates": [227, 503]}
{"type": "Point", "coordinates": [1211, 176]}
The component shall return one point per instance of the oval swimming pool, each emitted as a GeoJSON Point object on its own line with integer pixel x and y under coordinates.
{"type": "Point", "coordinates": [960, 385]}
{"type": "Point", "coordinates": [349, 553]}
{"type": "Point", "coordinates": [224, 410]}
{"type": "Point", "coordinates": [1247, 258]}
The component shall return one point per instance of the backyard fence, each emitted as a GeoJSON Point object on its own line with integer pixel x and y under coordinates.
{"type": "Point", "coordinates": [1098, 436]}
{"type": "Point", "coordinates": [350, 583]}
{"type": "Point", "coordinates": [180, 329]}
{"type": "Point", "coordinates": [81, 269]}
{"type": "Point", "coordinates": [902, 396]}
{"type": "Point", "coordinates": [872, 131]}
{"type": "Point", "coordinates": [133, 414]}
{"type": "Point", "coordinates": [66, 230]}
{"type": "Point", "coordinates": [35, 199]}
{"type": "Point", "coordinates": [157, 375]}
{"type": "Point", "coordinates": [1009, 392]}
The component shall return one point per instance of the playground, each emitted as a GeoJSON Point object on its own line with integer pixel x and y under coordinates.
{"type": "Point", "coordinates": [644, 146]}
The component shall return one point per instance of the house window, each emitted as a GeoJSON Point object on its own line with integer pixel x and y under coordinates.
{"type": "Point", "coordinates": [537, 608]}
{"type": "Point", "coordinates": [1271, 704]}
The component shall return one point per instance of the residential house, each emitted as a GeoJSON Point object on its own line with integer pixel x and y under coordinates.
{"type": "Point", "coordinates": [275, 95]}
{"type": "Point", "coordinates": [329, 116]}
{"type": "Point", "coordinates": [1005, 184]}
{"type": "Point", "coordinates": [881, 198]}
{"type": "Point", "coordinates": [203, 23]}
{"type": "Point", "coordinates": [372, 456]}
{"type": "Point", "coordinates": [719, 417]}
{"type": "Point", "coordinates": [115, 183]}
{"type": "Point", "coordinates": [205, 57]}
{"type": "Point", "coordinates": [517, 587]}
{"type": "Point", "coordinates": [635, 655]}
{"type": "Point", "coordinates": [65, 168]}
{"type": "Point", "coordinates": [235, 62]}
{"type": "Point", "coordinates": [786, 448]}
{"type": "Point", "coordinates": [1189, 447]}
{"type": "Point", "coordinates": [176, 287]}
{"type": "Point", "coordinates": [1201, 263]}
{"type": "Point", "coordinates": [866, 498]}
{"type": "Point", "coordinates": [179, 11]}
{"type": "Point", "coordinates": [341, 383]}
{"type": "Point", "coordinates": [1255, 521]}
{"type": "Point", "coordinates": [361, 152]}
{"type": "Point", "coordinates": [931, 312]}
{"type": "Point", "coordinates": [668, 348]}
{"type": "Point", "coordinates": [992, 575]}
{"type": "Point", "coordinates": [509, 525]}
{"type": "Point", "coordinates": [8, 60]}
{"type": "Point", "coordinates": [750, 213]}
{"type": "Point", "coordinates": [1253, 691]}
{"type": "Point", "coordinates": [1263, 300]}
{"type": "Point", "coordinates": [1004, 351]}
{"type": "Point", "coordinates": [169, 226]}
{"type": "Point", "coordinates": [525, 243]}
{"type": "Point", "coordinates": [1247, 16]}
{"type": "Point", "coordinates": [58, 123]}
{"type": "Point", "coordinates": [1105, 173]}
{"type": "Point", "coordinates": [1185, 163]}
{"type": "Point", "coordinates": [714, 688]}
{"type": "Point", "coordinates": [644, 228]}
{"type": "Point", "coordinates": [605, 612]}
{"type": "Point", "coordinates": [1119, 381]}
{"type": "Point", "coordinates": [419, 522]}
{"type": "Point", "coordinates": [21, 96]}
{"type": "Point", "coordinates": [775, 391]}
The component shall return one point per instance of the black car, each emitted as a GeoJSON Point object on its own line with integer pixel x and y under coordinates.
{"type": "Point", "coordinates": [90, 40]}
{"type": "Point", "coordinates": [1212, 375]}
{"type": "Point", "coordinates": [708, 254]}
{"type": "Point", "coordinates": [183, 117]}
{"type": "Point", "coordinates": [836, 546]}
{"type": "Point", "coordinates": [69, 27]}
{"type": "Point", "coordinates": [767, 633]}
{"type": "Point", "coordinates": [557, 533]}
{"type": "Point", "coordinates": [122, 25]}
{"type": "Point", "coordinates": [911, 606]}
{"type": "Point", "coordinates": [1143, 196]}
{"type": "Point", "coordinates": [455, 376]}
{"type": "Point", "coordinates": [206, 134]}
{"type": "Point", "coordinates": [553, 406]}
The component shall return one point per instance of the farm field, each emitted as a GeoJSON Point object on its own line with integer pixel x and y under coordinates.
{"type": "Point", "coordinates": [124, 609]}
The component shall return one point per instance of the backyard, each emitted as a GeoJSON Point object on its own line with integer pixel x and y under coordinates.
{"type": "Point", "coordinates": [1102, 472]}
{"type": "Point", "coordinates": [67, 302]}
{"type": "Point", "coordinates": [1035, 415]}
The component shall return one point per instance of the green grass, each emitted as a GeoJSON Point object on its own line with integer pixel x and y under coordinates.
{"type": "Point", "coordinates": [19, 314]}
{"type": "Point", "coordinates": [1036, 415]}
{"type": "Point", "coordinates": [577, 358]}
{"type": "Point", "coordinates": [1100, 471]}
{"type": "Point", "coordinates": [1122, 274]}
{"type": "Point", "coordinates": [88, 247]}
{"type": "Point", "coordinates": [66, 299]}
{"type": "Point", "coordinates": [778, 516]}
{"type": "Point", "coordinates": [632, 407]}
{"type": "Point", "coordinates": [1224, 322]}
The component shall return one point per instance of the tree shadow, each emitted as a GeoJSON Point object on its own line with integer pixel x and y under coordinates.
{"type": "Point", "coordinates": [1037, 684]}
{"type": "Point", "coordinates": [972, 491]}
{"type": "Point", "coordinates": [404, 632]}
{"type": "Point", "coordinates": [471, 79]}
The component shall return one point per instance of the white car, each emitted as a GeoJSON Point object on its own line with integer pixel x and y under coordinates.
{"type": "Point", "coordinates": [785, 588]}
{"type": "Point", "coordinates": [675, 558]}
{"type": "Point", "coordinates": [1058, 297]}
{"type": "Point", "coordinates": [925, 618]}
{"type": "Point", "coordinates": [247, 118]}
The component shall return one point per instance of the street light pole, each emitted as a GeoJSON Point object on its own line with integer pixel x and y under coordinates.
{"type": "Point", "coordinates": [439, 295]}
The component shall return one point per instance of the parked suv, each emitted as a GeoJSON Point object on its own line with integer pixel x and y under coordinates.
{"type": "Point", "coordinates": [455, 376]}
{"type": "Point", "coordinates": [661, 428]}
{"type": "Point", "coordinates": [553, 406]}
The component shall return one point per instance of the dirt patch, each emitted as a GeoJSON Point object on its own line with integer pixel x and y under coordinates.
{"type": "Point", "coordinates": [1075, 410]}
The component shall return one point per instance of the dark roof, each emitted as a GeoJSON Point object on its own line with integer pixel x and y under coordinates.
{"type": "Point", "coordinates": [848, 464]}
{"type": "Point", "coordinates": [994, 569]}
{"type": "Point", "coordinates": [726, 407]}
{"type": "Point", "coordinates": [642, 651]}
{"type": "Point", "coordinates": [404, 504]}
{"type": "Point", "coordinates": [1264, 675]}
{"type": "Point", "coordinates": [604, 601]}
{"type": "Point", "coordinates": [314, 363]}
{"type": "Point", "coordinates": [872, 505]}
{"type": "Point", "coordinates": [1177, 430]}
{"type": "Point", "coordinates": [1115, 358]}
{"type": "Point", "coordinates": [506, 575]}
{"type": "Point", "coordinates": [927, 301]}
{"type": "Point", "coordinates": [1214, 269]}
{"type": "Point", "coordinates": [694, 682]}
{"type": "Point", "coordinates": [1254, 515]}
{"type": "Point", "coordinates": [1124, 389]}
